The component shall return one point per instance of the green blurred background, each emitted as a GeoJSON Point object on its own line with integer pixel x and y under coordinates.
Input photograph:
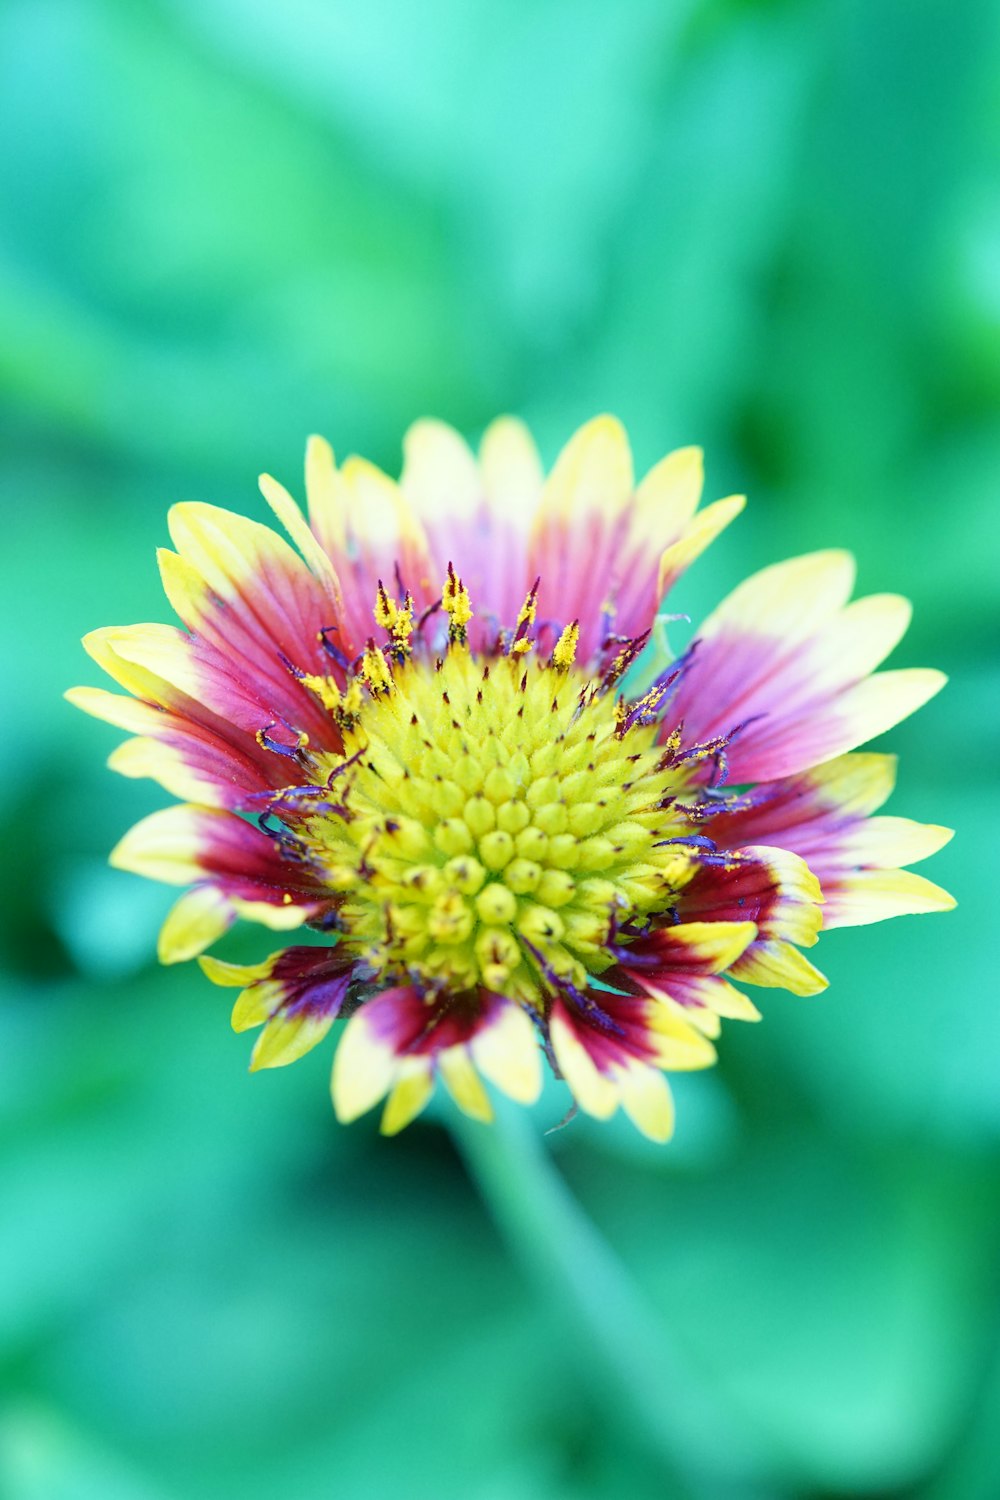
{"type": "Point", "coordinates": [772, 228]}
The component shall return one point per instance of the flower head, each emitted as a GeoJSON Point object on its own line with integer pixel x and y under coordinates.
{"type": "Point", "coordinates": [445, 731]}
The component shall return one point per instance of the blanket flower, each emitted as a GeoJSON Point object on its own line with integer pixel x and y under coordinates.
{"type": "Point", "coordinates": [441, 727]}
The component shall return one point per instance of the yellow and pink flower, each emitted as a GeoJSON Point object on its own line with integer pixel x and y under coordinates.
{"type": "Point", "coordinates": [444, 729]}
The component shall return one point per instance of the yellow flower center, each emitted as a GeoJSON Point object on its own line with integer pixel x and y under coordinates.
{"type": "Point", "coordinates": [491, 821]}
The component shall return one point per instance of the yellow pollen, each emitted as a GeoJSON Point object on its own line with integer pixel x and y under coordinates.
{"type": "Point", "coordinates": [564, 654]}
{"type": "Point", "coordinates": [458, 607]}
{"type": "Point", "coordinates": [395, 619]}
{"type": "Point", "coordinates": [375, 670]}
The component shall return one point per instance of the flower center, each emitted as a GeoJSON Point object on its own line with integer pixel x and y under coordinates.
{"type": "Point", "coordinates": [491, 823]}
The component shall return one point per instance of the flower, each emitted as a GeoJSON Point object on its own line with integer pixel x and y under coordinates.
{"type": "Point", "coordinates": [446, 731]}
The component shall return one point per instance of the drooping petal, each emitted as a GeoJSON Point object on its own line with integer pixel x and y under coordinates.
{"type": "Point", "coordinates": [296, 995]}
{"type": "Point", "coordinates": [680, 964]}
{"type": "Point", "coordinates": [398, 1042]}
{"type": "Point", "coordinates": [777, 891]}
{"type": "Point", "coordinates": [610, 1053]}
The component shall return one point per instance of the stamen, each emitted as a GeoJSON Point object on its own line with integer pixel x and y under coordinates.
{"type": "Point", "coordinates": [455, 600]}
{"type": "Point", "coordinates": [564, 653]}
{"type": "Point", "coordinates": [375, 670]}
{"type": "Point", "coordinates": [396, 620]}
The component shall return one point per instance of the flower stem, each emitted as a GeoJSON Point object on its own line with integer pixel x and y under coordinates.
{"type": "Point", "coordinates": [669, 1405]}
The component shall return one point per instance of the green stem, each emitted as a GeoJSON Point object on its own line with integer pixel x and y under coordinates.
{"type": "Point", "coordinates": [669, 1406]}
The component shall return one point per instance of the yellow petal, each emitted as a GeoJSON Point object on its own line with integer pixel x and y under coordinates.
{"type": "Point", "coordinates": [726, 1000]}
{"type": "Point", "coordinates": [856, 783]}
{"type": "Point", "coordinates": [195, 921]}
{"type": "Point", "coordinates": [860, 638]}
{"type": "Point", "coordinates": [512, 474]}
{"type": "Point", "coordinates": [257, 1003]}
{"type": "Point", "coordinates": [676, 1041]}
{"type": "Point", "coordinates": [777, 964]}
{"type": "Point", "coordinates": [145, 659]}
{"type": "Point", "coordinates": [230, 552]}
{"type": "Point", "coordinates": [413, 1088]}
{"type": "Point", "coordinates": [506, 1053]}
{"type": "Point", "coordinates": [463, 1083]}
{"type": "Point", "coordinates": [874, 895]}
{"type": "Point", "coordinates": [788, 598]}
{"type": "Point", "coordinates": [287, 1038]}
{"type": "Point", "coordinates": [279, 917]}
{"type": "Point", "coordinates": [113, 708]}
{"type": "Point", "coordinates": [668, 496]}
{"type": "Point", "coordinates": [292, 519]}
{"type": "Point", "coordinates": [324, 494]}
{"type": "Point", "coordinates": [593, 1091]}
{"type": "Point", "coordinates": [363, 1070]}
{"type": "Point", "coordinates": [699, 534]}
{"type": "Point", "coordinates": [164, 846]}
{"type": "Point", "coordinates": [376, 501]}
{"type": "Point", "coordinates": [141, 758]}
{"type": "Point", "coordinates": [898, 841]}
{"type": "Point", "coordinates": [713, 943]}
{"type": "Point", "coordinates": [440, 477]}
{"type": "Point", "coordinates": [878, 703]}
{"type": "Point", "coordinates": [593, 473]}
{"type": "Point", "coordinates": [233, 976]}
{"type": "Point", "coordinates": [647, 1100]}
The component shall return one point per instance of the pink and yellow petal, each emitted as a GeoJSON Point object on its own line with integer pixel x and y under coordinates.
{"type": "Point", "coordinates": [296, 995]}
{"type": "Point", "coordinates": [823, 815]}
{"type": "Point", "coordinates": [785, 664]}
{"type": "Point", "coordinates": [511, 471]}
{"type": "Point", "coordinates": [397, 1043]}
{"type": "Point", "coordinates": [476, 513]}
{"type": "Point", "coordinates": [254, 607]}
{"type": "Point", "coordinates": [777, 891]}
{"type": "Point", "coordinates": [172, 670]}
{"type": "Point", "coordinates": [368, 1057]}
{"type": "Point", "coordinates": [204, 746]}
{"type": "Point", "coordinates": [819, 732]}
{"type": "Point", "coordinates": [270, 601]}
{"type": "Point", "coordinates": [613, 1058]}
{"type": "Point", "coordinates": [206, 847]}
{"type": "Point", "coordinates": [580, 527]}
{"type": "Point", "coordinates": [440, 478]}
{"type": "Point", "coordinates": [171, 768]}
{"type": "Point", "coordinates": [316, 557]}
